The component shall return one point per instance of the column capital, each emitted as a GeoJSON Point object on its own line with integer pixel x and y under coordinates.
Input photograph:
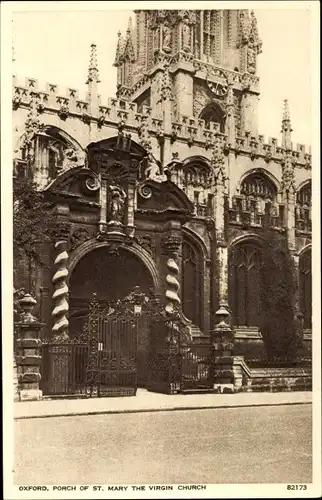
{"type": "Point", "coordinates": [61, 231]}
{"type": "Point", "coordinates": [171, 243]}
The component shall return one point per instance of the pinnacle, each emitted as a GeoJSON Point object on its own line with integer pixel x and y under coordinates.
{"type": "Point", "coordinates": [286, 126]}
{"type": "Point", "coordinates": [119, 48]}
{"type": "Point", "coordinates": [286, 111]}
{"type": "Point", "coordinates": [130, 27]}
{"type": "Point", "coordinates": [93, 66]}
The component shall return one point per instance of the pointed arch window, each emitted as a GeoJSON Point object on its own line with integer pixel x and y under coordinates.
{"type": "Point", "coordinates": [192, 282]}
{"type": "Point", "coordinates": [306, 288]}
{"type": "Point", "coordinates": [256, 202]}
{"type": "Point", "coordinates": [245, 264]}
{"type": "Point", "coordinates": [303, 208]}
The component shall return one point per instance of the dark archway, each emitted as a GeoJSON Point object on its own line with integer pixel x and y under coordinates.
{"type": "Point", "coordinates": [213, 113]}
{"type": "Point", "coordinates": [112, 275]}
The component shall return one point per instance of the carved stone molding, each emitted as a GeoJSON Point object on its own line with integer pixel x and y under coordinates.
{"type": "Point", "coordinates": [171, 244]}
{"type": "Point", "coordinates": [147, 243]}
{"type": "Point", "coordinates": [61, 231]}
{"type": "Point", "coordinates": [63, 113]}
{"type": "Point", "coordinates": [78, 237]}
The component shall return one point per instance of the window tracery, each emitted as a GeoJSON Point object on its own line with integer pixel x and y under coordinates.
{"type": "Point", "coordinates": [256, 203]}
{"type": "Point", "coordinates": [191, 282]}
{"type": "Point", "coordinates": [303, 220]}
{"type": "Point", "coordinates": [245, 264]}
{"type": "Point", "coordinates": [55, 154]}
{"type": "Point", "coordinates": [195, 178]}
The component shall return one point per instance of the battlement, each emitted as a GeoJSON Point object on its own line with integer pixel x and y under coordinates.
{"type": "Point", "coordinates": [122, 113]}
{"type": "Point", "coordinates": [272, 148]}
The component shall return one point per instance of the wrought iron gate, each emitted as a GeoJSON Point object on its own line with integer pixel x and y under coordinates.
{"type": "Point", "coordinates": [112, 356]}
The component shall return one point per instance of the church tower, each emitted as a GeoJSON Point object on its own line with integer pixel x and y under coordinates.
{"type": "Point", "coordinates": [192, 57]}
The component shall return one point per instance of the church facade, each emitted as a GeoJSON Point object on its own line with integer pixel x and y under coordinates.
{"type": "Point", "coordinates": [169, 186]}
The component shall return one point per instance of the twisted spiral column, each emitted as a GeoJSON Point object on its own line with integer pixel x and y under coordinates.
{"type": "Point", "coordinates": [60, 295]}
{"type": "Point", "coordinates": [173, 286]}
{"type": "Point", "coordinates": [171, 246]}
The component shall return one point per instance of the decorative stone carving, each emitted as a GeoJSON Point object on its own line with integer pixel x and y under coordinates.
{"type": "Point", "coordinates": [166, 38]}
{"type": "Point", "coordinates": [218, 160]}
{"type": "Point", "coordinates": [288, 176]}
{"type": "Point", "coordinates": [144, 134]}
{"type": "Point", "coordinates": [153, 170]}
{"type": "Point", "coordinates": [63, 112]}
{"type": "Point", "coordinates": [171, 244]}
{"type": "Point", "coordinates": [165, 90]}
{"type": "Point", "coordinates": [32, 127]}
{"type": "Point", "coordinates": [156, 39]}
{"type": "Point", "coordinates": [148, 243]}
{"type": "Point", "coordinates": [251, 59]}
{"type": "Point", "coordinates": [73, 158]}
{"type": "Point", "coordinates": [16, 101]}
{"type": "Point", "coordinates": [78, 237]}
{"type": "Point", "coordinates": [186, 45]}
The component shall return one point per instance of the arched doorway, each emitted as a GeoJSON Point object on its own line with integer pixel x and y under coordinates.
{"type": "Point", "coordinates": [112, 274]}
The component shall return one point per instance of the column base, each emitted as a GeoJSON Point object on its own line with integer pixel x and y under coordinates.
{"type": "Point", "coordinates": [30, 395]}
{"type": "Point", "coordinates": [224, 388]}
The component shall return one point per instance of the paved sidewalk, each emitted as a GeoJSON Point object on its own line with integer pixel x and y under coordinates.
{"type": "Point", "coordinates": [146, 401]}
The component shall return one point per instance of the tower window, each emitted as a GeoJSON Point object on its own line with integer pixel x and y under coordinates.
{"type": "Point", "coordinates": [213, 113]}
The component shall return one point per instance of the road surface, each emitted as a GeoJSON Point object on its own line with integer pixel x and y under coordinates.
{"type": "Point", "coordinates": [237, 445]}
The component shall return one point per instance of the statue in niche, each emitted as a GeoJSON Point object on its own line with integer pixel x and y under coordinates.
{"type": "Point", "coordinates": [186, 35]}
{"type": "Point", "coordinates": [116, 203]}
{"type": "Point", "coordinates": [166, 45]}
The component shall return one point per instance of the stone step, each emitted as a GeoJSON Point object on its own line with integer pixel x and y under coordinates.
{"type": "Point", "coordinates": [208, 390]}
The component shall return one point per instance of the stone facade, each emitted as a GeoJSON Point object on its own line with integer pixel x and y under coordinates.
{"type": "Point", "coordinates": [173, 169]}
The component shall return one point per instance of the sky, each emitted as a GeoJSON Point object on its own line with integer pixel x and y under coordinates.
{"type": "Point", "coordinates": [54, 47]}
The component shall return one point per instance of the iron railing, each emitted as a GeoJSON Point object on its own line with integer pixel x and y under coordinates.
{"type": "Point", "coordinates": [63, 368]}
{"type": "Point", "coordinates": [196, 367]}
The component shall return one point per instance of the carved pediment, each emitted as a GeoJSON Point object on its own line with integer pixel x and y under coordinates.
{"type": "Point", "coordinates": [161, 197]}
{"type": "Point", "coordinates": [78, 183]}
{"type": "Point", "coordinates": [117, 158]}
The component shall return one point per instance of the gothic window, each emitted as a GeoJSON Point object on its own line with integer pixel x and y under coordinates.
{"type": "Point", "coordinates": [52, 163]}
{"type": "Point", "coordinates": [197, 36]}
{"type": "Point", "coordinates": [191, 285]}
{"type": "Point", "coordinates": [258, 186]}
{"type": "Point", "coordinates": [303, 208]}
{"type": "Point", "coordinates": [257, 202]}
{"type": "Point", "coordinates": [211, 36]}
{"type": "Point", "coordinates": [56, 152]}
{"type": "Point", "coordinates": [244, 284]}
{"type": "Point", "coordinates": [306, 288]}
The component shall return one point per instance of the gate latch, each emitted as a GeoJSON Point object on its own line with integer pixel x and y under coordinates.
{"type": "Point", "coordinates": [100, 346]}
